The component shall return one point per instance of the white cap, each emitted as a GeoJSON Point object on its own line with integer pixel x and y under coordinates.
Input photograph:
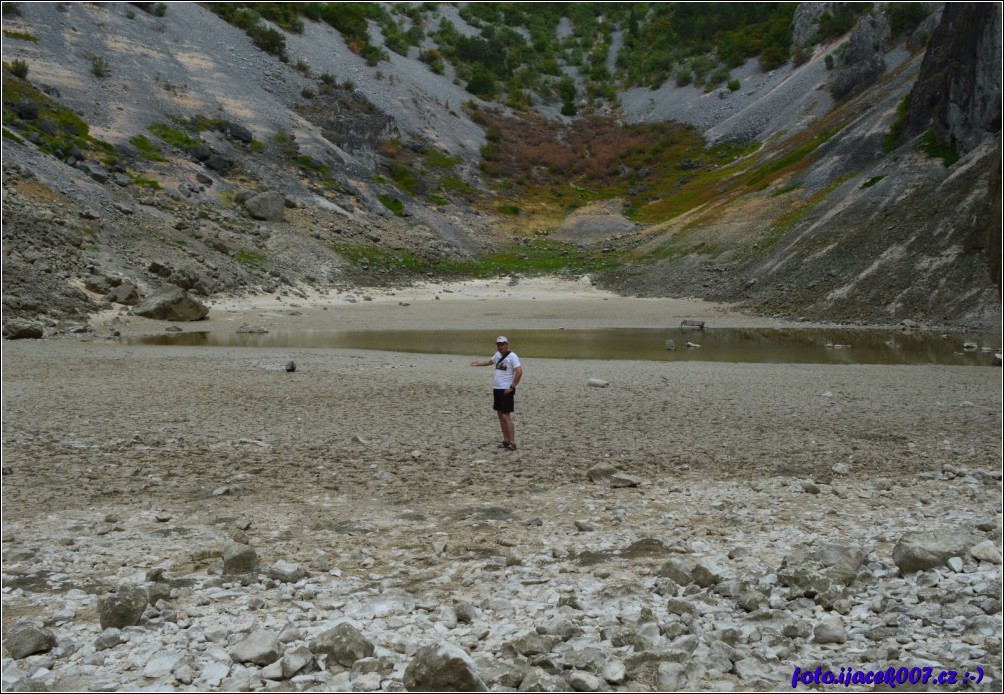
{"type": "Point", "coordinates": [501, 338]}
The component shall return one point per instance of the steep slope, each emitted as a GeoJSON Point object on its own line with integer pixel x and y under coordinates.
{"type": "Point", "coordinates": [135, 144]}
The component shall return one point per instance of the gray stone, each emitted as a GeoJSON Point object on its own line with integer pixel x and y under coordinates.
{"type": "Point", "coordinates": [680, 607]}
{"type": "Point", "coordinates": [28, 639]}
{"type": "Point", "coordinates": [296, 660]}
{"type": "Point", "coordinates": [597, 383]}
{"type": "Point", "coordinates": [343, 644]}
{"type": "Point", "coordinates": [261, 648]}
{"type": "Point", "coordinates": [160, 665]}
{"type": "Point", "coordinates": [601, 472]}
{"type": "Point", "coordinates": [443, 667]}
{"type": "Point", "coordinates": [239, 559]}
{"type": "Point", "coordinates": [830, 631]}
{"type": "Point", "coordinates": [126, 293]}
{"type": "Point", "coordinates": [268, 206]}
{"type": "Point", "coordinates": [584, 682]}
{"type": "Point", "coordinates": [123, 608]}
{"type": "Point", "coordinates": [285, 571]}
{"type": "Point", "coordinates": [537, 680]}
{"type": "Point", "coordinates": [614, 672]}
{"type": "Point", "coordinates": [18, 329]}
{"type": "Point", "coordinates": [986, 551]}
{"type": "Point", "coordinates": [109, 638]}
{"type": "Point", "coordinates": [620, 480]}
{"type": "Point", "coordinates": [171, 303]}
{"type": "Point", "coordinates": [921, 551]}
{"type": "Point", "coordinates": [676, 677]}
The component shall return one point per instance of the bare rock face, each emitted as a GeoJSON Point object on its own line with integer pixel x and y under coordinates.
{"type": "Point", "coordinates": [958, 91]}
{"type": "Point", "coordinates": [862, 62]}
{"type": "Point", "coordinates": [173, 304]}
{"type": "Point", "coordinates": [442, 667]}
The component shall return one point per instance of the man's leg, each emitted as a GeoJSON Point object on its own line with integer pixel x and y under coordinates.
{"type": "Point", "coordinates": [508, 428]}
{"type": "Point", "coordinates": [505, 428]}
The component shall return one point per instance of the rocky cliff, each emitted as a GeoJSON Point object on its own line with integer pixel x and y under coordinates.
{"type": "Point", "coordinates": [138, 147]}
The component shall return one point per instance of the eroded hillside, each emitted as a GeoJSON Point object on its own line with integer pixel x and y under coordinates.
{"type": "Point", "coordinates": [150, 145]}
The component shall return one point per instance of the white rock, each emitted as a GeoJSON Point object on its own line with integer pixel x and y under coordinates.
{"type": "Point", "coordinates": [955, 564]}
{"type": "Point", "coordinates": [597, 383]}
{"type": "Point", "coordinates": [986, 551]}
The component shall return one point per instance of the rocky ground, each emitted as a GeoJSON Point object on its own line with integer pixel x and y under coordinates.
{"type": "Point", "coordinates": [201, 518]}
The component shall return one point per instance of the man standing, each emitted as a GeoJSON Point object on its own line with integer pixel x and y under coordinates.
{"type": "Point", "coordinates": [508, 373]}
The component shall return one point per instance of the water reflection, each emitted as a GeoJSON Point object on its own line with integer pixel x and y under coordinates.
{"type": "Point", "coordinates": [757, 345]}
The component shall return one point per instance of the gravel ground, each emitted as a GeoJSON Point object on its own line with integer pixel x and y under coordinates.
{"type": "Point", "coordinates": [370, 487]}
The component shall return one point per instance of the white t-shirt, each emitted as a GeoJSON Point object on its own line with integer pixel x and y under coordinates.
{"type": "Point", "coordinates": [504, 369]}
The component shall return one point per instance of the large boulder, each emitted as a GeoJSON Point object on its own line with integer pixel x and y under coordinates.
{"type": "Point", "coordinates": [124, 608]}
{"type": "Point", "coordinates": [930, 550]}
{"type": "Point", "coordinates": [344, 644]}
{"type": "Point", "coordinates": [28, 639]}
{"type": "Point", "coordinates": [126, 293]}
{"type": "Point", "coordinates": [442, 667]}
{"type": "Point", "coordinates": [171, 303]}
{"type": "Point", "coordinates": [18, 329]}
{"type": "Point", "coordinates": [269, 206]}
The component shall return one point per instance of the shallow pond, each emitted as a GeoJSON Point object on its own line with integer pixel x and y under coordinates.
{"type": "Point", "coordinates": [757, 345]}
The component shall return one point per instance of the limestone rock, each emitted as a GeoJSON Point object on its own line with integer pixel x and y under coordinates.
{"type": "Point", "coordinates": [28, 639]}
{"type": "Point", "coordinates": [986, 551]}
{"type": "Point", "coordinates": [601, 472]}
{"type": "Point", "coordinates": [830, 631]}
{"type": "Point", "coordinates": [443, 667]}
{"type": "Point", "coordinates": [921, 551]}
{"type": "Point", "coordinates": [284, 571]}
{"type": "Point", "coordinates": [344, 644]}
{"type": "Point", "coordinates": [268, 206]}
{"type": "Point", "coordinates": [261, 648]}
{"type": "Point", "coordinates": [239, 559]}
{"type": "Point", "coordinates": [171, 303]}
{"type": "Point", "coordinates": [18, 329]}
{"type": "Point", "coordinates": [123, 608]}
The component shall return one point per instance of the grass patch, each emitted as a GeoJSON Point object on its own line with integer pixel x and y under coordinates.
{"type": "Point", "coordinates": [392, 204]}
{"type": "Point", "coordinates": [439, 160]}
{"type": "Point", "coordinates": [143, 182]}
{"type": "Point", "coordinates": [252, 259]}
{"type": "Point", "coordinates": [789, 159]}
{"type": "Point", "coordinates": [381, 258]}
{"type": "Point", "coordinates": [455, 185]}
{"type": "Point", "coordinates": [146, 149]}
{"type": "Point", "coordinates": [436, 200]}
{"type": "Point", "coordinates": [56, 129]}
{"type": "Point", "coordinates": [11, 135]}
{"type": "Point", "coordinates": [872, 181]}
{"type": "Point", "coordinates": [174, 137]}
{"type": "Point", "coordinates": [786, 189]}
{"type": "Point", "coordinates": [20, 36]}
{"type": "Point", "coordinates": [929, 145]}
{"type": "Point", "coordinates": [896, 129]}
{"type": "Point", "coordinates": [508, 209]}
{"type": "Point", "coordinates": [541, 257]}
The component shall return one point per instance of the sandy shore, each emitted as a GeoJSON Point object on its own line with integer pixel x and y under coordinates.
{"type": "Point", "coordinates": [382, 470]}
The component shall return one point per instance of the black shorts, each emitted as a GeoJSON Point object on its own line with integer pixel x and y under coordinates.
{"type": "Point", "coordinates": [503, 402]}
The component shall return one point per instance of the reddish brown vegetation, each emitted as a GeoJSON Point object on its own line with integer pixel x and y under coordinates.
{"type": "Point", "coordinates": [593, 149]}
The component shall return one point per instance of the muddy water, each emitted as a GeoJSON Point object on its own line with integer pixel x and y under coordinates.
{"type": "Point", "coordinates": [756, 345]}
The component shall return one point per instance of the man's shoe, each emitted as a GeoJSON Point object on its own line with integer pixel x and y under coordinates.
{"type": "Point", "coordinates": [510, 447]}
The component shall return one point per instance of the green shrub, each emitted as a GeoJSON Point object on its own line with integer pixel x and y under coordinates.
{"type": "Point", "coordinates": [19, 68]}
{"type": "Point", "coordinates": [734, 85]}
{"type": "Point", "coordinates": [508, 209]}
{"type": "Point", "coordinates": [569, 109]}
{"type": "Point", "coordinates": [307, 93]}
{"type": "Point", "coordinates": [146, 149]}
{"type": "Point", "coordinates": [392, 204]}
{"type": "Point", "coordinates": [100, 67]}
{"type": "Point", "coordinates": [872, 181]}
{"type": "Point", "coordinates": [10, 10]}
{"type": "Point", "coordinates": [252, 259]}
{"type": "Point", "coordinates": [20, 35]}
{"type": "Point", "coordinates": [929, 144]}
